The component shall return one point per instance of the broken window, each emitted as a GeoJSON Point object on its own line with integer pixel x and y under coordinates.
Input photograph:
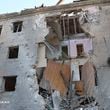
{"type": "Point", "coordinates": [80, 50]}
{"type": "Point", "coordinates": [65, 51]}
{"type": "Point", "coordinates": [70, 26]}
{"type": "Point", "coordinates": [10, 82]}
{"type": "Point", "coordinates": [17, 26]}
{"type": "Point", "coordinates": [13, 52]}
{"type": "Point", "coordinates": [0, 29]}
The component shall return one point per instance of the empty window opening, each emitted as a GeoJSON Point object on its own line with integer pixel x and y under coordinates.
{"type": "Point", "coordinates": [65, 51]}
{"type": "Point", "coordinates": [80, 50]}
{"type": "Point", "coordinates": [13, 52]}
{"type": "Point", "coordinates": [10, 83]}
{"type": "Point", "coordinates": [0, 29]}
{"type": "Point", "coordinates": [17, 26]}
{"type": "Point", "coordinates": [80, 71]}
{"type": "Point", "coordinates": [70, 26]}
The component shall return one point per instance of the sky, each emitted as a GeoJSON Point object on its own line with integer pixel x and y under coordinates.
{"type": "Point", "coordinates": [7, 6]}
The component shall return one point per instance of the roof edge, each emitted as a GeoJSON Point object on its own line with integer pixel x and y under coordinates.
{"type": "Point", "coordinates": [64, 7]}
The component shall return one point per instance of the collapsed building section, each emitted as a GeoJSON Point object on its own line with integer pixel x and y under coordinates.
{"type": "Point", "coordinates": [69, 69]}
{"type": "Point", "coordinates": [57, 76]}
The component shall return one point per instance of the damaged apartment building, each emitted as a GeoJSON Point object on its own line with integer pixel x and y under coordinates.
{"type": "Point", "coordinates": [56, 57]}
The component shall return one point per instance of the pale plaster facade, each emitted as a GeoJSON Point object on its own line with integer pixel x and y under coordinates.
{"type": "Point", "coordinates": [25, 96]}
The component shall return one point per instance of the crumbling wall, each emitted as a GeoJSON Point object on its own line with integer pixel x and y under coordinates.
{"type": "Point", "coordinates": [97, 25]}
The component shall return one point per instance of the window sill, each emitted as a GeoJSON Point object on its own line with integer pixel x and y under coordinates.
{"type": "Point", "coordinates": [13, 60]}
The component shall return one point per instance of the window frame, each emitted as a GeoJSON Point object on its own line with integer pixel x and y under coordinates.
{"type": "Point", "coordinates": [81, 53]}
{"type": "Point", "coordinates": [67, 54]}
{"type": "Point", "coordinates": [5, 78]}
{"type": "Point", "coordinates": [17, 26]}
{"type": "Point", "coordinates": [9, 50]}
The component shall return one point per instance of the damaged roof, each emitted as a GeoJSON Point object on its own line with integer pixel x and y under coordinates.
{"type": "Point", "coordinates": [54, 8]}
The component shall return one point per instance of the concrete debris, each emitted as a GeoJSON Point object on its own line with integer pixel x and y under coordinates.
{"type": "Point", "coordinates": [65, 104]}
{"type": "Point", "coordinates": [90, 15]}
{"type": "Point", "coordinates": [56, 100]}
